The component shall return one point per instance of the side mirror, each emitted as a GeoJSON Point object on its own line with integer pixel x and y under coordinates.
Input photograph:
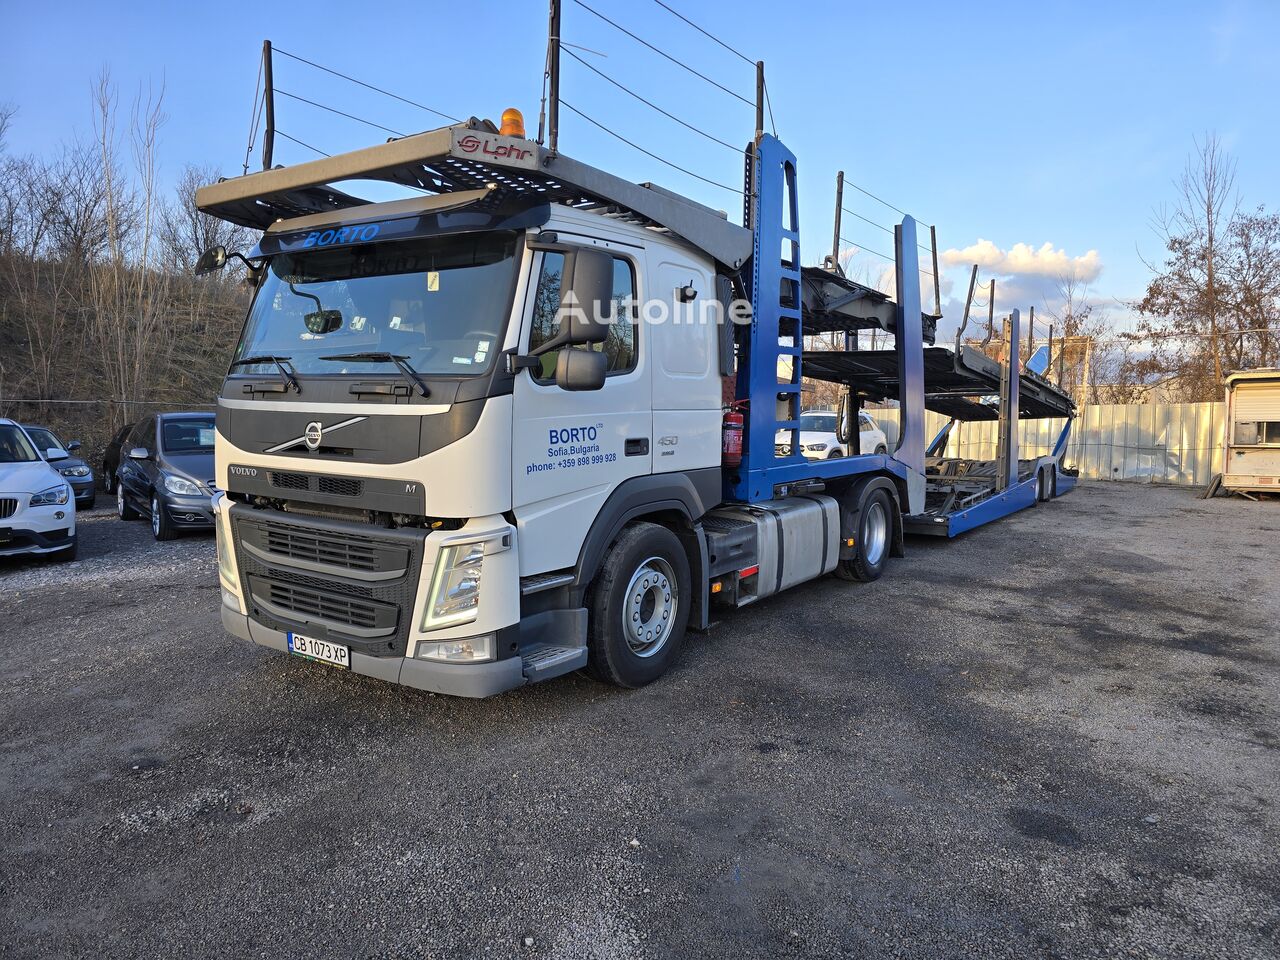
{"type": "Point", "coordinates": [321, 322]}
{"type": "Point", "coordinates": [139, 453]}
{"type": "Point", "coordinates": [73, 446]}
{"type": "Point", "coordinates": [213, 259]}
{"type": "Point", "coordinates": [586, 300]}
{"type": "Point", "coordinates": [578, 369]}
{"type": "Point", "coordinates": [55, 453]}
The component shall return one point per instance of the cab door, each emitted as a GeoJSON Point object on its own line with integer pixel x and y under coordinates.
{"type": "Point", "coordinates": [571, 450]}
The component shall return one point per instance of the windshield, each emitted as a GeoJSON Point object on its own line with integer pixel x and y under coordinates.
{"type": "Point", "coordinates": [187, 436]}
{"type": "Point", "coordinates": [818, 422]}
{"type": "Point", "coordinates": [441, 302]}
{"type": "Point", "coordinates": [14, 445]}
{"type": "Point", "coordinates": [44, 439]}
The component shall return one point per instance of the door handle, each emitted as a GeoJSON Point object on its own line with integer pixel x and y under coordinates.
{"type": "Point", "coordinates": [636, 446]}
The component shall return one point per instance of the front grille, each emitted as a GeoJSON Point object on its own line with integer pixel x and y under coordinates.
{"type": "Point", "coordinates": [8, 507]}
{"type": "Point", "coordinates": [336, 608]}
{"type": "Point", "coordinates": [782, 449]}
{"type": "Point", "coordinates": [301, 545]}
{"type": "Point", "coordinates": [365, 572]}
{"type": "Point", "coordinates": [290, 481]}
{"type": "Point", "coordinates": [314, 483]}
{"type": "Point", "coordinates": [341, 486]}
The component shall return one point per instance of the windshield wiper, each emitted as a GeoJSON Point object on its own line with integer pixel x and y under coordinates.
{"type": "Point", "coordinates": [286, 373]}
{"type": "Point", "coordinates": [400, 361]}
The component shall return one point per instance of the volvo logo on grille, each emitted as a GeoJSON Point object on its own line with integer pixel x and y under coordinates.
{"type": "Point", "coordinates": [314, 434]}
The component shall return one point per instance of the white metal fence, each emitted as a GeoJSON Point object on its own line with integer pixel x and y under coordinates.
{"type": "Point", "coordinates": [1157, 442]}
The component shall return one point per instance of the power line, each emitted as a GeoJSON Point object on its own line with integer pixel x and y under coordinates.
{"type": "Point", "coordinates": [674, 166]}
{"type": "Point", "coordinates": [301, 143]}
{"type": "Point", "coordinates": [736, 150]}
{"type": "Point", "coordinates": [663, 53]}
{"type": "Point", "coordinates": [705, 33]}
{"type": "Point", "coordinates": [349, 116]}
{"type": "Point", "coordinates": [882, 256]}
{"type": "Point", "coordinates": [369, 86]}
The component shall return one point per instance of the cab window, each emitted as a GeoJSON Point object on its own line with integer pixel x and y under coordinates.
{"type": "Point", "coordinates": [620, 345]}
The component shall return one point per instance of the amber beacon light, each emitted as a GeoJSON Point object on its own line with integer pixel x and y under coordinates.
{"type": "Point", "coordinates": [512, 123]}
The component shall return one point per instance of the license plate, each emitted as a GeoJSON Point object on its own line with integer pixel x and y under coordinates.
{"type": "Point", "coordinates": [335, 654]}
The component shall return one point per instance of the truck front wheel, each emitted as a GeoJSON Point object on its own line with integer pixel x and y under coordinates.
{"type": "Point", "coordinates": [638, 607]}
{"type": "Point", "coordinates": [873, 541]}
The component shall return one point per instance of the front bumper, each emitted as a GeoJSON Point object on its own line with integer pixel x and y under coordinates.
{"type": "Point", "coordinates": [453, 679]}
{"type": "Point", "coordinates": [193, 512]}
{"type": "Point", "coordinates": [19, 540]}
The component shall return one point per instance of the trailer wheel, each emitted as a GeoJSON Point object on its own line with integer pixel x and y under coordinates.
{"type": "Point", "coordinates": [875, 535]}
{"type": "Point", "coordinates": [1043, 491]}
{"type": "Point", "coordinates": [638, 607]}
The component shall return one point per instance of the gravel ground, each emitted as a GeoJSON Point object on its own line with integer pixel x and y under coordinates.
{"type": "Point", "coordinates": [1055, 737]}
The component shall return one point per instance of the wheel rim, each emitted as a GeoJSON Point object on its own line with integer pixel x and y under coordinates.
{"type": "Point", "coordinates": [155, 516]}
{"type": "Point", "coordinates": [120, 501]}
{"type": "Point", "coordinates": [649, 613]}
{"type": "Point", "coordinates": [875, 533]}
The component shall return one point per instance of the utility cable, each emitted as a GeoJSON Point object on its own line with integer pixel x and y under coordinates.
{"type": "Point", "coordinates": [736, 150]}
{"type": "Point", "coordinates": [705, 33]}
{"type": "Point", "coordinates": [301, 143]}
{"type": "Point", "coordinates": [349, 116]}
{"type": "Point", "coordinates": [369, 86]}
{"type": "Point", "coordinates": [663, 53]}
{"type": "Point", "coordinates": [696, 176]}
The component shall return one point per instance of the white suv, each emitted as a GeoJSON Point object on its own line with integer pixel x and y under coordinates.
{"type": "Point", "coordinates": [37, 508]}
{"type": "Point", "coordinates": [818, 436]}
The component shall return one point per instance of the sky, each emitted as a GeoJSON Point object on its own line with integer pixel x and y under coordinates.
{"type": "Point", "coordinates": [1038, 138]}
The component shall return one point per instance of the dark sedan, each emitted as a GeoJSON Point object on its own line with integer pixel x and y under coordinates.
{"type": "Point", "coordinates": [167, 473]}
{"type": "Point", "coordinates": [61, 457]}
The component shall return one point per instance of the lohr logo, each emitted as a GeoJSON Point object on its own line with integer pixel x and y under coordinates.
{"type": "Point", "coordinates": [313, 435]}
{"type": "Point", "coordinates": [493, 148]}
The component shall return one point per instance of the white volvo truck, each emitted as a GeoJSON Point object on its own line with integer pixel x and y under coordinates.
{"type": "Point", "coordinates": [433, 474]}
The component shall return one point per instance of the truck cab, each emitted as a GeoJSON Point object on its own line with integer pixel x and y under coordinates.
{"type": "Point", "coordinates": [421, 474]}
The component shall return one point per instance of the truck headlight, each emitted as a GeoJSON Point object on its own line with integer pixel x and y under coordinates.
{"type": "Point", "coordinates": [180, 486]}
{"type": "Point", "coordinates": [455, 586]}
{"type": "Point", "coordinates": [80, 471]}
{"type": "Point", "coordinates": [59, 494]}
{"type": "Point", "coordinates": [468, 650]}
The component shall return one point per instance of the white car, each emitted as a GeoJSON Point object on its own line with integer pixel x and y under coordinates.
{"type": "Point", "coordinates": [37, 508]}
{"type": "Point", "coordinates": [818, 439]}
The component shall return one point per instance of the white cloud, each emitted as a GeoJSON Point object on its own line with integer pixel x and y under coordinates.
{"type": "Point", "coordinates": [1024, 260]}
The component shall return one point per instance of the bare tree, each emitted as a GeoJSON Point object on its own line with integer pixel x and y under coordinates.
{"type": "Point", "coordinates": [1213, 303]}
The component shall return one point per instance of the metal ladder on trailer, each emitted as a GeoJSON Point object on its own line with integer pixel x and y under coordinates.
{"type": "Point", "coordinates": [775, 342]}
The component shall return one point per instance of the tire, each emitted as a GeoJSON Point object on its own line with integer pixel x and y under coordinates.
{"type": "Point", "coordinates": [108, 480]}
{"type": "Point", "coordinates": [881, 449]}
{"type": "Point", "coordinates": [67, 555]}
{"type": "Point", "coordinates": [1042, 486]}
{"type": "Point", "coordinates": [124, 510]}
{"type": "Point", "coordinates": [874, 540]}
{"type": "Point", "coordinates": [161, 526]}
{"type": "Point", "coordinates": [834, 455]}
{"type": "Point", "coordinates": [644, 585]}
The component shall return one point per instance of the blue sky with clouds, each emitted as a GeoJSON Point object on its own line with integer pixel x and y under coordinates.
{"type": "Point", "coordinates": [1035, 136]}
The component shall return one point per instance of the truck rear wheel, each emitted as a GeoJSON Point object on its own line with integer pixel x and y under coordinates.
{"type": "Point", "coordinates": [873, 542]}
{"type": "Point", "coordinates": [638, 607]}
